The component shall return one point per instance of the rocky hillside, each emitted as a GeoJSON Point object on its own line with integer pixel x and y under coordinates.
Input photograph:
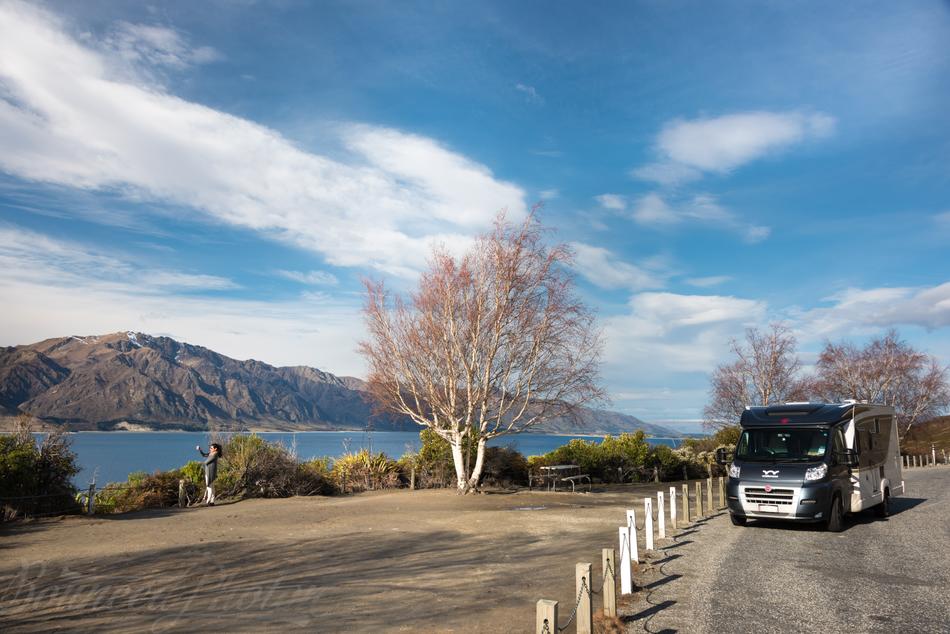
{"type": "Point", "coordinates": [133, 380]}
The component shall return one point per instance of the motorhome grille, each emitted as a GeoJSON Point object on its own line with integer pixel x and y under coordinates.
{"type": "Point", "coordinates": [755, 495]}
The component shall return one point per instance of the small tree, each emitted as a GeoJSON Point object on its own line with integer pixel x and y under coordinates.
{"type": "Point", "coordinates": [765, 371]}
{"type": "Point", "coordinates": [491, 343]}
{"type": "Point", "coordinates": [887, 370]}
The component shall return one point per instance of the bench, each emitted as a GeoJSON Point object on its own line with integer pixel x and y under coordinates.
{"type": "Point", "coordinates": [550, 475]}
{"type": "Point", "coordinates": [574, 479]}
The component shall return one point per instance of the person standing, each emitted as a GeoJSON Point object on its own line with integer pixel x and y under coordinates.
{"type": "Point", "coordinates": [211, 470]}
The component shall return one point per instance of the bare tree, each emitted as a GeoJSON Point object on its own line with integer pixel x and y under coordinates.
{"type": "Point", "coordinates": [491, 343]}
{"type": "Point", "coordinates": [765, 371]}
{"type": "Point", "coordinates": [888, 371]}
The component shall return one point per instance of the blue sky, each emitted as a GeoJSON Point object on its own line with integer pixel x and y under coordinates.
{"type": "Point", "coordinates": [226, 172]}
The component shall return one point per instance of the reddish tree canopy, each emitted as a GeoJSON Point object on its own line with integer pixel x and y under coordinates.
{"type": "Point", "coordinates": [491, 343]}
{"type": "Point", "coordinates": [887, 370]}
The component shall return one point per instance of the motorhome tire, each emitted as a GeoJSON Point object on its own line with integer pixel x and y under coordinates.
{"type": "Point", "coordinates": [737, 520]}
{"type": "Point", "coordinates": [835, 516]}
{"type": "Point", "coordinates": [883, 509]}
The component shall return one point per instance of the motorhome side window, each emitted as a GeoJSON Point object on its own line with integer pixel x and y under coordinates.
{"type": "Point", "coordinates": [838, 444]}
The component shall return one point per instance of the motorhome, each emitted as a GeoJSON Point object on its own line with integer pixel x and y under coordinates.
{"type": "Point", "coordinates": [813, 462]}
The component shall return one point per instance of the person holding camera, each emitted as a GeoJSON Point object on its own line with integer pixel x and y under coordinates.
{"type": "Point", "coordinates": [211, 470]}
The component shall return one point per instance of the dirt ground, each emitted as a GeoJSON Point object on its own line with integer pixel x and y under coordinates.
{"type": "Point", "coordinates": [385, 561]}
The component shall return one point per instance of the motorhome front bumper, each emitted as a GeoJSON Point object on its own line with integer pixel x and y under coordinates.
{"type": "Point", "coordinates": [781, 501]}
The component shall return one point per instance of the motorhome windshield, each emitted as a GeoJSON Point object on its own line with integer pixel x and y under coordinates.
{"type": "Point", "coordinates": [782, 444]}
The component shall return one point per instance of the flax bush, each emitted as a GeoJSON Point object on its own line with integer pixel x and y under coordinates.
{"type": "Point", "coordinates": [363, 471]}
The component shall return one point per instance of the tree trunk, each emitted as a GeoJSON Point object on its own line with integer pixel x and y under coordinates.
{"type": "Point", "coordinates": [476, 474]}
{"type": "Point", "coordinates": [461, 477]}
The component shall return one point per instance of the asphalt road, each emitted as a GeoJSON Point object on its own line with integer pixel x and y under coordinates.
{"type": "Point", "coordinates": [889, 575]}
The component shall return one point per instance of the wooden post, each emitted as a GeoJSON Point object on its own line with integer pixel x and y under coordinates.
{"type": "Point", "coordinates": [686, 519]}
{"type": "Point", "coordinates": [412, 479]}
{"type": "Point", "coordinates": [609, 563]}
{"type": "Point", "coordinates": [673, 508]}
{"type": "Point", "coordinates": [722, 492]}
{"type": "Point", "coordinates": [709, 496]}
{"type": "Point", "coordinates": [546, 619]}
{"type": "Point", "coordinates": [660, 516]}
{"type": "Point", "coordinates": [648, 522]}
{"type": "Point", "coordinates": [626, 578]}
{"type": "Point", "coordinates": [699, 500]}
{"type": "Point", "coordinates": [585, 613]}
{"type": "Point", "coordinates": [632, 526]}
{"type": "Point", "coordinates": [91, 502]}
{"type": "Point", "coordinates": [181, 494]}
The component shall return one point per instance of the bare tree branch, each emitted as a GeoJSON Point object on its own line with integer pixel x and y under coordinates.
{"type": "Point", "coordinates": [492, 343]}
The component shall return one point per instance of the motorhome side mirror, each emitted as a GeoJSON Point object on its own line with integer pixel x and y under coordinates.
{"type": "Point", "coordinates": [849, 457]}
{"type": "Point", "coordinates": [723, 456]}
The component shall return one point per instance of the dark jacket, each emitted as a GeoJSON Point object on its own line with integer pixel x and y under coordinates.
{"type": "Point", "coordinates": [211, 466]}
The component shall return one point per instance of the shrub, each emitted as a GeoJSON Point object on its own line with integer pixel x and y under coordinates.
{"type": "Point", "coordinates": [504, 467]}
{"type": "Point", "coordinates": [619, 459]}
{"type": "Point", "coordinates": [143, 491]}
{"type": "Point", "coordinates": [36, 479]}
{"type": "Point", "coordinates": [253, 467]}
{"type": "Point", "coordinates": [364, 470]}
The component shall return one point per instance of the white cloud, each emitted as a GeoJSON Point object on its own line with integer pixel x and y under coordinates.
{"type": "Point", "coordinates": [943, 219]}
{"type": "Point", "coordinates": [60, 288]}
{"type": "Point", "coordinates": [653, 210]}
{"type": "Point", "coordinates": [667, 333]}
{"type": "Point", "coordinates": [67, 119]}
{"type": "Point", "coordinates": [603, 269]}
{"type": "Point", "coordinates": [666, 173]}
{"type": "Point", "coordinates": [549, 194]}
{"type": "Point", "coordinates": [611, 201]}
{"type": "Point", "coordinates": [36, 258]}
{"type": "Point", "coordinates": [875, 308]}
{"type": "Point", "coordinates": [688, 148]}
{"type": "Point", "coordinates": [706, 282]}
{"type": "Point", "coordinates": [530, 93]}
{"type": "Point", "coordinates": [151, 45]}
{"type": "Point", "coordinates": [314, 278]}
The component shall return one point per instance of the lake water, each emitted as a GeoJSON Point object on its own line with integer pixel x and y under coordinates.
{"type": "Point", "coordinates": [112, 456]}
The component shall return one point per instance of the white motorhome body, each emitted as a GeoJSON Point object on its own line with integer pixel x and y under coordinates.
{"type": "Point", "coordinates": [872, 434]}
{"type": "Point", "coordinates": [814, 462]}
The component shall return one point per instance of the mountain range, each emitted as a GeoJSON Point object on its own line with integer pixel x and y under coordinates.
{"type": "Point", "coordinates": [135, 381]}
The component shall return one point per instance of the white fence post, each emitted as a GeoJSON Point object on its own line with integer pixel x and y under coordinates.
{"type": "Point", "coordinates": [660, 516]}
{"type": "Point", "coordinates": [632, 526]}
{"type": "Point", "coordinates": [648, 522]}
{"type": "Point", "coordinates": [626, 580]}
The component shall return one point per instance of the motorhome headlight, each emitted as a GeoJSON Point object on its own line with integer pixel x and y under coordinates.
{"type": "Point", "coordinates": [734, 470]}
{"type": "Point", "coordinates": [816, 473]}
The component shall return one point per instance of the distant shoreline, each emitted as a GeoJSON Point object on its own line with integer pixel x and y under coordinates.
{"type": "Point", "coordinates": [329, 431]}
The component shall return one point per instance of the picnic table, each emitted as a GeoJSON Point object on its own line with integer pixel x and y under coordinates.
{"type": "Point", "coordinates": [549, 476]}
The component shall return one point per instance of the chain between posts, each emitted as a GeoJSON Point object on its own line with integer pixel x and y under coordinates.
{"type": "Point", "coordinates": [577, 604]}
{"type": "Point", "coordinates": [607, 573]}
